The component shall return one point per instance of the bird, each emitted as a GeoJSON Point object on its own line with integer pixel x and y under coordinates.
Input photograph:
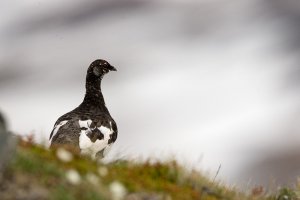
{"type": "Point", "coordinates": [89, 129]}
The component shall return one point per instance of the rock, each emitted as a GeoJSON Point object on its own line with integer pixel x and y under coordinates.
{"type": "Point", "coordinates": [7, 144]}
{"type": "Point", "coordinates": [2, 124]}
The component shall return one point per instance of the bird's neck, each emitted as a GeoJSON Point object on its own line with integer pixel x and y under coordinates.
{"type": "Point", "coordinates": [93, 99]}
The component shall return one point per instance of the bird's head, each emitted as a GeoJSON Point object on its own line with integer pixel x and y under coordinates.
{"type": "Point", "coordinates": [99, 68]}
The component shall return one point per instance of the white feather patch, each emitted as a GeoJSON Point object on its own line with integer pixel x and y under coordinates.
{"type": "Point", "coordinates": [57, 127]}
{"type": "Point", "coordinates": [104, 130]}
{"type": "Point", "coordinates": [85, 123]}
{"type": "Point", "coordinates": [84, 140]}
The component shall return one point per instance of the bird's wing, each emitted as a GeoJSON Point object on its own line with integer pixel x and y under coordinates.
{"type": "Point", "coordinates": [56, 127]}
{"type": "Point", "coordinates": [60, 122]}
{"type": "Point", "coordinates": [65, 132]}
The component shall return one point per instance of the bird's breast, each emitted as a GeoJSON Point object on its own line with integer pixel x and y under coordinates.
{"type": "Point", "coordinates": [93, 139]}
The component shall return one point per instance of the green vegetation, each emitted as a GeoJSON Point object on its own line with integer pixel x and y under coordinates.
{"type": "Point", "coordinates": [38, 173]}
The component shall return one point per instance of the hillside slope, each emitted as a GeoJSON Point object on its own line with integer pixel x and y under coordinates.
{"type": "Point", "coordinates": [37, 173]}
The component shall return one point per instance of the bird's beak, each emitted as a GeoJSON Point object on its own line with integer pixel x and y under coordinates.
{"type": "Point", "coordinates": [112, 68]}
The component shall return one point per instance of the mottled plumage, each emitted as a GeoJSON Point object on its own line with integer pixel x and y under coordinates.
{"type": "Point", "coordinates": [89, 128]}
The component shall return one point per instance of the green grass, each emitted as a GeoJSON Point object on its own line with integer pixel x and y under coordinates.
{"type": "Point", "coordinates": [36, 167]}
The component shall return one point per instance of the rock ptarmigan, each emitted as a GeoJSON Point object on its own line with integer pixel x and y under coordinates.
{"type": "Point", "coordinates": [89, 128]}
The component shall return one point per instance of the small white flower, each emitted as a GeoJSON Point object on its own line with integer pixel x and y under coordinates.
{"type": "Point", "coordinates": [64, 155]}
{"type": "Point", "coordinates": [102, 171]}
{"type": "Point", "coordinates": [117, 190]}
{"type": "Point", "coordinates": [73, 177]}
{"type": "Point", "coordinates": [92, 178]}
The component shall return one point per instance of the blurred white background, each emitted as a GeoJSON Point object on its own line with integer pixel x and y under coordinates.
{"type": "Point", "coordinates": [211, 82]}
